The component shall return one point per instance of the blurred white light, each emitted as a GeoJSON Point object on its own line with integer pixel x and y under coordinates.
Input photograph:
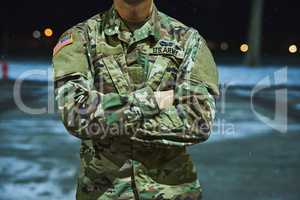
{"type": "Point", "coordinates": [293, 48]}
{"type": "Point", "coordinates": [224, 46]}
{"type": "Point", "coordinates": [36, 34]}
{"type": "Point", "coordinates": [244, 48]}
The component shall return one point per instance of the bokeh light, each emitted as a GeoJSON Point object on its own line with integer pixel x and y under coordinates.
{"type": "Point", "coordinates": [293, 48]}
{"type": "Point", "coordinates": [48, 32]}
{"type": "Point", "coordinates": [224, 46]}
{"type": "Point", "coordinates": [36, 34]}
{"type": "Point", "coordinates": [244, 48]}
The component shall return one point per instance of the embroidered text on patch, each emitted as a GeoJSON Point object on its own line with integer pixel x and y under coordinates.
{"type": "Point", "coordinates": [66, 40]}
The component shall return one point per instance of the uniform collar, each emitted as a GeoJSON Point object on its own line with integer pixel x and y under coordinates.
{"type": "Point", "coordinates": [114, 25]}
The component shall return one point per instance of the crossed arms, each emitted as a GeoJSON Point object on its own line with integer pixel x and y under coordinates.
{"type": "Point", "coordinates": [179, 117]}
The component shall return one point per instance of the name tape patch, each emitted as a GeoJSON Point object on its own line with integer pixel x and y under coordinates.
{"type": "Point", "coordinates": [168, 48]}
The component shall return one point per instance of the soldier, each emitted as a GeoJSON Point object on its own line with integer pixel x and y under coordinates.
{"type": "Point", "coordinates": [137, 87]}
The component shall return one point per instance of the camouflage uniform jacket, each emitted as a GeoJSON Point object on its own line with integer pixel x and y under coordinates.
{"type": "Point", "coordinates": [105, 79]}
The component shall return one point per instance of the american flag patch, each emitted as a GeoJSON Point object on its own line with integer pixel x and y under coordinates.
{"type": "Point", "coordinates": [66, 40]}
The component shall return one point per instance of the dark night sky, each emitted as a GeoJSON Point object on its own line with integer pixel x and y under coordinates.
{"type": "Point", "coordinates": [215, 19]}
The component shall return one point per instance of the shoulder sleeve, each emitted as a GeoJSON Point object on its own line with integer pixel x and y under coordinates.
{"type": "Point", "coordinates": [69, 55]}
{"type": "Point", "coordinates": [203, 68]}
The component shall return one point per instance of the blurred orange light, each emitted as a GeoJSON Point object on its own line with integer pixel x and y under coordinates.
{"type": "Point", "coordinates": [48, 32]}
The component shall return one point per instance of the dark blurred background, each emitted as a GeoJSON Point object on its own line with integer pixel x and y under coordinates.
{"type": "Point", "coordinates": [225, 24]}
{"type": "Point", "coordinates": [253, 152]}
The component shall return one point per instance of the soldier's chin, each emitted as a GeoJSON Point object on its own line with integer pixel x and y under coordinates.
{"type": "Point", "coordinates": [133, 2]}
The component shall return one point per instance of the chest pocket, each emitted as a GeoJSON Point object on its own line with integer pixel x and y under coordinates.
{"type": "Point", "coordinates": [109, 77]}
{"type": "Point", "coordinates": [162, 72]}
{"type": "Point", "coordinates": [102, 80]}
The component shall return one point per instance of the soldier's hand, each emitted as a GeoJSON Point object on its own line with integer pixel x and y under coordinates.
{"type": "Point", "coordinates": [164, 99]}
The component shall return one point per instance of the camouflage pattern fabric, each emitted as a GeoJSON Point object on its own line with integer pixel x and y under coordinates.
{"type": "Point", "coordinates": [105, 80]}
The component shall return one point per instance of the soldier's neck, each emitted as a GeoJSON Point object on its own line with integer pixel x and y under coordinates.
{"type": "Point", "coordinates": [134, 13]}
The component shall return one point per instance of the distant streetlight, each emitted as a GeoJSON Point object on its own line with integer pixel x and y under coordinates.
{"type": "Point", "coordinates": [244, 48]}
{"type": "Point", "coordinates": [293, 48]}
{"type": "Point", "coordinates": [36, 34]}
{"type": "Point", "coordinates": [48, 32]}
{"type": "Point", "coordinates": [224, 46]}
